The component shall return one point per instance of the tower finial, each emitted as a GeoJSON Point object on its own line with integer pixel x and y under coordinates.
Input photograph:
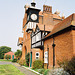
{"type": "Point", "coordinates": [33, 1]}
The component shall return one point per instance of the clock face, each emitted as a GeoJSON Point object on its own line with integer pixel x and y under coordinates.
{"type": "Point", "coordinates": [34, 17]}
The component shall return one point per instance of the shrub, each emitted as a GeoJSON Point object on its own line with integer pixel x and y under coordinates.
{"type": "Point", "coordinates": [41, 71]}
{"type": "Point", "coordinates": [7, 57]}
{"type": "Point", "coordinates": [62, 63]}
{"type": "Point", "coordinates": [18, 54]}
{"type": "Point", "coordinates": [46, 72]}
{"type": "Point", "coordinates": [58, 71]}
{"type": "Point", "coordinates": [70, 66]}
{"type": "Point", "coordinates": [27, 59]}
{"type": "Point", "coordinates": [14, 60]}
{"type": "Point", "coordinates": [22, 62]}
{"type": "Point", "coordinates": [37, 64]}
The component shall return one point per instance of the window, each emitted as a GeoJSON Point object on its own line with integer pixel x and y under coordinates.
{"type": "Point", "coordinates": [33, 39]}
{"type": "Point", "coordinates": [38, 36]}
{"type": "Point", "coordinates": [46, 57]}
{"type": "Point", "coordinates": [37, 55]}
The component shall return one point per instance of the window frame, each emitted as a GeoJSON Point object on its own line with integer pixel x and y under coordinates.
{"type": "Point", "coordinates": [46, 57]}
{"type": "Point", "coordinates": [37, 56]}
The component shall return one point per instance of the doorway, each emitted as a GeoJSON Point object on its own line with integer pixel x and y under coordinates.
{"type": "Point", "coordinates": [30, 59]}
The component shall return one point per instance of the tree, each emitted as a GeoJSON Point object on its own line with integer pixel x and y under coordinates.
{"type": "Point", "coordinates": [3, 50]}
{"type": "Point", "coordinates": [18, 54]}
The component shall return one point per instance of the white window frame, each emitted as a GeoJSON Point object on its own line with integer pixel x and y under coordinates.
{"type": "Point", "coordinates": [46, 57]}
{"type": "Point", "coordinates": [37, 56]}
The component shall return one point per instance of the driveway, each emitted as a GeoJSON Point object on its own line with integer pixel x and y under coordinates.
{"type": "Point", "coordinates": [4, 62]}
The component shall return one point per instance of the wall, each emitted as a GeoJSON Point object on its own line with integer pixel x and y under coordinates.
{"type": "Point", "coordinates": [63, 48]}
{"type": "Point", "coordinates": [34, 54]}
{"type": "Point", "coordinates": [73, 33]}
{"type": "Point", "coordinates": [9, 53]}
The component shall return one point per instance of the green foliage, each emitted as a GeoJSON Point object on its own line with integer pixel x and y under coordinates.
{"type": "Point", "coordinates": [22, 62]}
{"type": "Point", "coordinates": [6, 60]}
{"type": "Point", "coordinates": [70, 66]}
{"type": "Point", "coordinates": [37, 64]}
{"type": "Point", "coordinates": [62, 63]}
{"type": "Point", "coordinates": [41, 71]}
{"type": "Point", "coordinates": [3, 50]}
{"type": "Point", "coordinates": [14, 60]}
{"type": "Point", "coordinates": [46, 72]}
{"type": "Point", "coordinates": [18, 54]}
{"type": "Point", "coordinates": [9, 70]}
{"type": "Point", "coordinates": [7, 57]}
{"type": "Point", "coordinates": [27, 59]}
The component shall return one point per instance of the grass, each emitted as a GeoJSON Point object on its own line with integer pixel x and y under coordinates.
{"type": "Point", "coordinates": [9, 70]}
{"type": "Point", "coordinates": [6, 60]}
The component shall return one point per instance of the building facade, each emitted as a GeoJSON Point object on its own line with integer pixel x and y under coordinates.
{"type": "Point", "coordinates": [41, 38]}
{"type": "Point", "coordinates": [12, 55]}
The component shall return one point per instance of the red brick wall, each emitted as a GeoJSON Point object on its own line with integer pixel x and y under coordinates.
{"type": "Point", "coordinates": [56, 21]}
{"type": "Point", "coordinates": [63, 48]}
{"type": "Point", "coordinates": [34, 54]}
{"type": "Point", "coordinates": [9, 53]}
{"type": "Point", "coordinates": [73, 33]}
{"type": "Point", "coordinates": [48, 19]}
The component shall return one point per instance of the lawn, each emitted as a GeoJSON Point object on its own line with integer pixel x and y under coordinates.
{"type": "Point", "coordinates": [9, 70]}
{"type": "Point", "coordinates": [6, 60]}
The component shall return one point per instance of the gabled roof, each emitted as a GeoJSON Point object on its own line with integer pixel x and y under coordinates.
{"type": "Point", "coordinates": [47, 27]}
{"type": "Point", "coordinates": [11, 53]}
{"type": "Point", "coordinates": [63, 24]}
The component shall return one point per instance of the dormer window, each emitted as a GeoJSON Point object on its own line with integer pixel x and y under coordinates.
{"type": "Point", "coordinates": [36, 39]}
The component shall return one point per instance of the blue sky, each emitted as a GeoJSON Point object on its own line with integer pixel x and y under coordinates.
{"type": "Point", "coordinates": [12, 13]}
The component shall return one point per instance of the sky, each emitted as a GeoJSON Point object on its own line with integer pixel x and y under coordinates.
{"type": "Point", "coordinates": [12, 13]}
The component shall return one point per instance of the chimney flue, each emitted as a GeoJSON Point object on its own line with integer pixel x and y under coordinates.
{"type": "Point", "coordinates": [47, 9]}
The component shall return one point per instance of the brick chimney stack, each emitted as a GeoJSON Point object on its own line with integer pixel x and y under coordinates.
{"type": "Point", "coordinates": [47, 9]}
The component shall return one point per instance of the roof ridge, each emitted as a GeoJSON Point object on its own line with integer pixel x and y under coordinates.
{"type": "Point", "coordinates": [62, 25]}
{"type": "Point", "coordinates": [70, 17]}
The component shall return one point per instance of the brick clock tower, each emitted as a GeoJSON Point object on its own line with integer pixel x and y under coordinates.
{"type": "Point", "coordinates": [32, 17]}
